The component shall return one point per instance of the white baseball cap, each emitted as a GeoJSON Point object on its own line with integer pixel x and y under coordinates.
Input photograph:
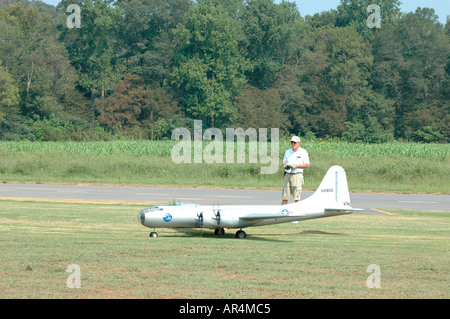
{"type": "Point", "coordinates": [295, 139]}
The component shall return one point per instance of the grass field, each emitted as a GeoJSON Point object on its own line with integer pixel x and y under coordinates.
{"type": "Point", "coordinates": [323, 258]}
{"type": "Point", "coordinates": [390, 167]}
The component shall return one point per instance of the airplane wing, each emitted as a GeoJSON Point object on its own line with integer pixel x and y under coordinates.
{"type": "Point", "coordinates": [186, 204]}
{"type": "Point", "coordinates": [267, 216]}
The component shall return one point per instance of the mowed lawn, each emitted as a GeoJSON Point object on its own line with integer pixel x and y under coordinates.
{"type": "Point", "coordinates": [323, 258]}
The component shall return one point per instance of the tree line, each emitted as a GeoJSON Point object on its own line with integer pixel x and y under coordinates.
{"type": "Point", "coordinates": [141, 68]}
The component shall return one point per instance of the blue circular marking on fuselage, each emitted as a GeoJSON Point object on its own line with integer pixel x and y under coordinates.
{"type": "Point", "coordinates": [167, 218]}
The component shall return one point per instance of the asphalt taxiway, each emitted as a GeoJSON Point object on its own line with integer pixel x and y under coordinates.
{"type": "Point", "coordinates": [371, 202]}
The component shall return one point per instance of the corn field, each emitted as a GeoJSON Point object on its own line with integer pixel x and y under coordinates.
{"type": "Point", "coordinates": [164, 148]}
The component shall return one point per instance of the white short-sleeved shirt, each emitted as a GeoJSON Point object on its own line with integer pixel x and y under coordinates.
{"type": "Point", "coordinates": [299, 157]}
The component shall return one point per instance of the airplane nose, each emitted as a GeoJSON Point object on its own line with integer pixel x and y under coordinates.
{"type": "Point", "coordinates": [141, 217]}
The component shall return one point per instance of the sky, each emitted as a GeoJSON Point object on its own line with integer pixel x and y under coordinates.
{"type": "Point", "coordinates": [441, 7]}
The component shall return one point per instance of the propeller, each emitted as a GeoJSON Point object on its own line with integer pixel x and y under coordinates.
{"type": "Point", "coordinates": [200, 219]}
{"type": "Point", "coordinates": [217, 215]}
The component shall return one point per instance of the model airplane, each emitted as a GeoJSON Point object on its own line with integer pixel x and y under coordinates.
{"type": "Point", "coordinates": [330, 199]}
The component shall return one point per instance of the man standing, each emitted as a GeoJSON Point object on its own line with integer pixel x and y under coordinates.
{"type": "Point", "coordinates": [294, 161]}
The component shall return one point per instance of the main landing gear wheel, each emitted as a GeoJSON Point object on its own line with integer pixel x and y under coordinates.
{"type": "Point", "coordinates": [153, 234]}
{"type": "Point", "coordinates": [241, 234]}
{"type": "Point", "coordinates": [220, 231]}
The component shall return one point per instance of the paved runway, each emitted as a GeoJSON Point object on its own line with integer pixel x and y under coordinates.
{"type": "Point", "coordinates": [368, 201]}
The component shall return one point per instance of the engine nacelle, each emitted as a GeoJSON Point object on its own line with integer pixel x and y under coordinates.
{"type": "Point", "coordinates": [210, 219]}
{"type": "Point", "coordinates": [227, 221]}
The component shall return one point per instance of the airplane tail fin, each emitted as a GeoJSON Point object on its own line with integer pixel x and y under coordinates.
{"type": "Point", "coordinates": [333, 190]}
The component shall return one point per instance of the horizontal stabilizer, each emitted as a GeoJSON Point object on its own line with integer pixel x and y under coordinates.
{"type": "Point", "coordinates": [341, 211]}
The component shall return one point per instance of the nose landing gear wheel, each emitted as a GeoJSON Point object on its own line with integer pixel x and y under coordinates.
{"type": "Point", "coordinates": [153, 234]}
{"type": "Point", "coordinates": [241, 234]}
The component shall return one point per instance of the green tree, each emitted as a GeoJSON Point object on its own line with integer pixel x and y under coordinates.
{"type": "Point", "coordinates": [209, 66]}
{"type": "Point", "coordinates": [334, 76]}
{"type": "Point", "coordinates": [93, 48]}
{"type": "Point", "coordinates": [24, 44]}
{"type": "Point", "coordinates": [411, 67]}
{"type": "Point", "coordinates": [261, 109]}
{"type": "Point", "coordinates": [9, 94]}
{"type": "Point", "coordinates": [135, 105]}
{"type": "Point", "coordinates": [354, 13]}
{"type": "Point", "coordinates": [39, 66]}
{"type": "Point", "coordinates": [146, 37]}
{"type": "Point", "coordinates": [270, 31]}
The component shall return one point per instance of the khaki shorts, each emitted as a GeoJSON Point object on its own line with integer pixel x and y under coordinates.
{"type": "Point", "coordinates": [293, 184]}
